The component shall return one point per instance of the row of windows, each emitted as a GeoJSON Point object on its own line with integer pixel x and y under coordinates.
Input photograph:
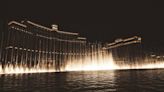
{"type": "Point", "coordinates": [50, 38]}
{"type": "Point", "coordinates": [46, 52]}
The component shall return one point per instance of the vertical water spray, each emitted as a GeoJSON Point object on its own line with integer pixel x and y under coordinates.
{"type": "Point", "coordinates": [28, 47]}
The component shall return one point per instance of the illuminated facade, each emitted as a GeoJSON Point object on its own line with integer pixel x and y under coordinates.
{"type": "Point", "coordinates": [28, 43]}
{"type": "Point", "coordinates": [127, 51]}
{"type": "Point", "coordinates": [33, 43]}
{"type": "Point", "coordinates": [29, 47]}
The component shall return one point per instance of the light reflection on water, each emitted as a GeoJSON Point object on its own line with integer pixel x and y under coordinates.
{"type": "Point", "coordinates": [90, 81]}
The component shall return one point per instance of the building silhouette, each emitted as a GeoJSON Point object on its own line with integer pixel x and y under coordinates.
{"type": "Point", "coordinates": [33, 43]}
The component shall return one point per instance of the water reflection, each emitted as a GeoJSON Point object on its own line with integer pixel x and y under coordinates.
{"type": "Point", "coordinates": [91, 81]}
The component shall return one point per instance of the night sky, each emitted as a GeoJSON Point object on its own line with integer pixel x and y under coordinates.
{"type": "Point", "coordinates": [98, 20]}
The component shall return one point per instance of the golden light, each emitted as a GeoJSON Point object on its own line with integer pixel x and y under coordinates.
{"type": "Point", "coordinates": [92, 64]}
{"type": "Point", "coordinates": [102, 62]}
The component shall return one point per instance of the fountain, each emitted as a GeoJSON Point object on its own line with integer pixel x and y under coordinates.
{"type": "Point", "coordinates": [28, 47]}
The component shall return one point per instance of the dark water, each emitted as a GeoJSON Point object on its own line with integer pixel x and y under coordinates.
{"type": "Point", "coordinates": [97, 81]}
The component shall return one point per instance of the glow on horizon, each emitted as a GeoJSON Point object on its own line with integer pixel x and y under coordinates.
{"type": "Point", "coordinates": [20, 69]}
{"type": "Point", "coordinates": [102, 63]}
{"type": "Point", "coordinates": [105, 62]}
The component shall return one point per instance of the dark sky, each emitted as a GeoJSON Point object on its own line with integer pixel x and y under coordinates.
{"type": "Point", "coordinates": [101, 20]}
